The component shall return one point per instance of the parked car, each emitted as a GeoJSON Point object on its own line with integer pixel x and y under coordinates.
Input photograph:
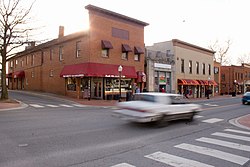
{"type": "Point", "coordinates": [156, 107]}
{"type": "Point", "coordinates": [246, 98]}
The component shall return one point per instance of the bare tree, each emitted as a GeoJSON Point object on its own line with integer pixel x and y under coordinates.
{"type": "Point", "coordinates": [14, 31]}
{"type": "Point", "coordinates": [244, 59]}
{"type": "Point", "coordinates": [221, 51]}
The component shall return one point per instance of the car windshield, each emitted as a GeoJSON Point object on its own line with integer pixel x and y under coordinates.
{"type": "Point", "coordinates": [141, 97]}
{"type": "Point", "coordinates": [247, 94]}
{"type": "Point", "coordinates": [178, 100]}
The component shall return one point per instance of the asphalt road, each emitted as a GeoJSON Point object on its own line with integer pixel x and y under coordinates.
{"type": "Point", "coordinates": [53, 132]}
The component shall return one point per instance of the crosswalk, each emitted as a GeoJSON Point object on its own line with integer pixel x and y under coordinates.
{"type": "Point", "coordinates": [232, 148]}
{"type": "Point", "coordinates": [56, 106]}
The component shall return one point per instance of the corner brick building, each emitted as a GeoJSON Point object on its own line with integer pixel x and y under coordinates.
{"type": "Point", "coordinates": [235, 79]}
{"type": "Point", "coordinates": [85, 64]}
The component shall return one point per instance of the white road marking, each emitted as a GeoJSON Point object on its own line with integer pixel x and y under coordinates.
{"type": "Point", "coordinates": [237, 131]}
{"type": "Point", "coordinates": [79, 105]}
{"type": "Point", "coordinates": [198, 116]}
{"type": "Point", "coordinates": [175, 160]}
{"type": "Point", "coordinates": [36, 105]}
{"type": "Point", "coordinates": [65, 105]}
{"type": "Point", "coordinates": [231, 136]}
{"type": "Point", "coordinates": [214, 153]}
{"type": "Point", "coordinates": [123, 165]}
{"type": "Point", "coordinates": [225, 143]}
{"type": "Point", "coordinates": [212, 120]}
{"type": "Point", "coordinates": [51, 105]}
{"type": "Point", "coordinates": [212, 105]}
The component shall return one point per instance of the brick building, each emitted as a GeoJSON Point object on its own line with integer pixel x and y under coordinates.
{"type": "Point", "coordinates": [235, 79]}
{"type": "Point", "coordinates": [85, 64]}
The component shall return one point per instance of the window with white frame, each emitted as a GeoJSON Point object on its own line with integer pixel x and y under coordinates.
{"type": "Point", "coordinates": [125, 55]}
{"type": "Point", "coordinates": [51, 73]}
{"type": "Point", "coordinates": [105, 52]}
{"type": "Point", "coordinates": [78, 49]}
{"type": "Point", "coordinates": [61, 53]}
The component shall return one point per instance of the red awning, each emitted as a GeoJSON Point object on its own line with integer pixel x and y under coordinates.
{"type": "Point", "coordinates": [138, 50]}
{"type": "Point", "coordinates": [106, 44]}
{"type": "Point", "coordinates": [126, 48]}
{"type": "Point", "coordinates": [206, 82]}
{"type": "Point", "coordinates": [19, 74]}
{"type": "Point", "coordinates": [97, 70]}
{"type": "Point", "coordinates": [212, 82]}
{"type": "Point", "coordinates": [9, 75]}
{"type": "Point", "coordinates": [203, 82]}
{"type": "Point", "coordinates": [187, 82]}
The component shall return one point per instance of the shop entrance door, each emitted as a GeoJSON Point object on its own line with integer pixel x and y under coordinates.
{"type": "Point", "coordinates": [97, 88]}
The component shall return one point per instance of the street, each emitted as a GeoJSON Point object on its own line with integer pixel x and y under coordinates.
{"type": "Point", "coordinates": [59, 133]}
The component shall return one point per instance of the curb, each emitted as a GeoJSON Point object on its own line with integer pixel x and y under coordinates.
{"type": "Point", "coordinates": [22, 106]}
{"type": "Point", "coordinates": [235, 122]}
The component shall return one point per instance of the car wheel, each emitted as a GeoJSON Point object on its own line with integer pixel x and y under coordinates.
{"type": "Point", "coordinates": [243, 102]}
{"type": "Point", "coordinates": [161, 122]}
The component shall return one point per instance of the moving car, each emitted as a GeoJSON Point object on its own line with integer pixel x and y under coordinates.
{"type": "Point", "coordinates": [156, 107]}
{"type": "Point", "coordinates": [246, 98]}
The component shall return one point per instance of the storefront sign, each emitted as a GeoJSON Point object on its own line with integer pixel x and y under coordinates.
{"type": "Point", "coordinates": [159, 65]}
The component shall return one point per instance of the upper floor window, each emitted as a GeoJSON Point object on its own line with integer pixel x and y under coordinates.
{"type": "Point", "coordinates": [223, 77]}
{"type": "Point", "coordinates": [27, 60]}
{"type": "Point", "coordinates": [197, 68]}
{"type": "Point", "coordinates": [78, 49]}
{"type": "Point", "coordinates": [60, 53]}
{"type": "Point", "coordinates": [21, 63]}
{"type": "Point", "coordinates": [190, 65]}
{"type": "Point", "coordinates": [209, 69]}
{"type": "Point", "coordinates": [203, 68]}
{"type": "Point", "coordinates": [182, 66]}
{"type": "Point", "coordinates": [138, 51]}
{"type": "Point", "coordinates": [16, 63]}
{"type": "Point", "coordinates": [125, 50]}
{"type": "Point", "coordinates": [32, 59]}
{"type": "Point", "coordinates": [11, 64]}
{"type": "Point", "coordinates": [51, 73]}
{"type": "Point", "coordinates": [51, 54]}
{"type": "Point", "coordinates": [106, 46]}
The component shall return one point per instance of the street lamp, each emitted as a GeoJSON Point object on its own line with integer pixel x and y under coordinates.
{"type": "Point", "coordinates": [235, 91]}
{"type": "Point", "coordinates": [120, 74]}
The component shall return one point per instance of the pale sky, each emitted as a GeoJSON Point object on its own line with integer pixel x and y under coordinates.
{"type": "Point", "coordinates": [199, 22]}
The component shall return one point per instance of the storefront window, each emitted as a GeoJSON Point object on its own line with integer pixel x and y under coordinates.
{"type": "Point", "coordinates": [84, 83]}
{"type": "Point", "coordinates": [71, 84]}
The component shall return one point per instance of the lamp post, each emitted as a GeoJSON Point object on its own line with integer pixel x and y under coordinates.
{"type": "Point", "coordinates": [120, 74]}
{"type": "Point", "coordinates": [235, 91]}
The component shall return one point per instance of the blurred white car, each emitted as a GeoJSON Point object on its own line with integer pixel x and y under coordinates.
{"type": "Point", "coordinates": [156, 107]}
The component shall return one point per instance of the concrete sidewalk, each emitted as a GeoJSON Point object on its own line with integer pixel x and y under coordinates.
{"type": "Point", "coordinates": [243, 122]}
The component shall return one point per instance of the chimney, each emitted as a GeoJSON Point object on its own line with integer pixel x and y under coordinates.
{"type": "Point", "coordinates": [61, 31]}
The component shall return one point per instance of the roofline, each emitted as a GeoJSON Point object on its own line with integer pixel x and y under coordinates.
{"type": "Point", "coordinates": [192, 45]}
{"type": "Point", "coordinates": [111, 13]}
{"type": "Point", "coordinates": [51, 43]}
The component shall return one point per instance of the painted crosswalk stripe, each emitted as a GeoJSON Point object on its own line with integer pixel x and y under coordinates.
{"type": "Point", "coordinates": [225, 143]}
{"type": "Point", "coordinates": [51, 105]}
{"type": "Point", "coordinates": [198, 116]}
{"type": "Point", "coordinates": [212, 120]}
{"type": "Point", "coordinates": [214, 153]}
{"type": "Point", "coordinates": [65, 105]}
{"type": "Point", "coordinates": [123, 165]}
{"type": "Point", "coordinates": [175, 160]}
{"type": "Point", "coordinates": [237, 131]}
{"type": "Point", "coordinates": [238, 137]}
{"type": "Point", "coordinates": [36, 105]}
{"type": "Point", "coordinates": [212, 105]}
{"type": "Point", "coordinates": [79, 105]}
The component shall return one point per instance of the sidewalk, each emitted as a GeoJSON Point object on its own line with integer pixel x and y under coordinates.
{"type": "Point", "coordinates": [243, 122]}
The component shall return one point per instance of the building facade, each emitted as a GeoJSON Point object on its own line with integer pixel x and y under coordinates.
{"type": "Point", "coordinates": [235, 79]}
{"type": "Point", "coordinates": [190, 68]}
{"type": "Point", "coordinates": [85, 64]}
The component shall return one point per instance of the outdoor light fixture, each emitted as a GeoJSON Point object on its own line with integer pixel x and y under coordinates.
{"type": "Point", "coordinates": [120, 74]}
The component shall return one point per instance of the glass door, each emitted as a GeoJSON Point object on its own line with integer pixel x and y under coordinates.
{"type": "Point", "coordinates": [97, 88]}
